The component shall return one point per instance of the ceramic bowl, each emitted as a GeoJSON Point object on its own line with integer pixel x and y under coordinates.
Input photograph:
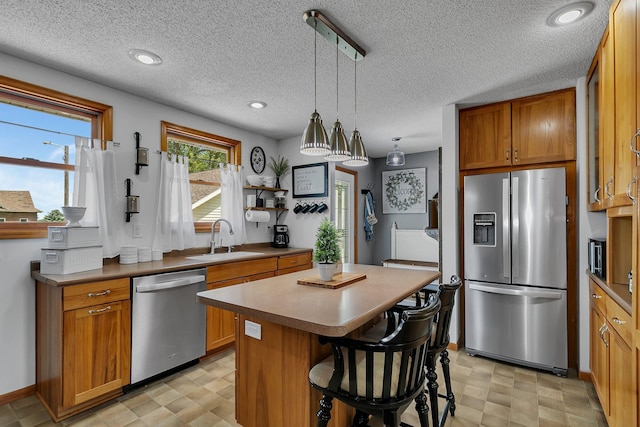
{"type": "Point", "coordinates": [255, 180]}
{"type": "Point", "coordinates": [278, 194]}
{"type": "Point", "coordinates": [73, 214]}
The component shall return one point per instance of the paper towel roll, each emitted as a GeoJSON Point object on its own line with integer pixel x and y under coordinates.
{"type": "Point", "coordinates": [257, 216]}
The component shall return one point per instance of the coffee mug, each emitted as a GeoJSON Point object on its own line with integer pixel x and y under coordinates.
{"type": "Point", "coordinates": [298, 208]}
{"type": "Point", "coordinates": [322, 207]}
{"type": "Point", "coordinates": [313, 208]}
{"type": "Point", "coordinates": [305, 208]}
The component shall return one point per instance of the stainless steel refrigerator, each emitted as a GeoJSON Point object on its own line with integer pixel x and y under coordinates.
{"type": "Point", "coordinates": [515, 260]}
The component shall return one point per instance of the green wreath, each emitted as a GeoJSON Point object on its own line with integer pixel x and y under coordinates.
{"type": "Point", "coordinates": [413, 194]}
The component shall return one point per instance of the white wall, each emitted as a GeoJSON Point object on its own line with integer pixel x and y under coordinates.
{"type": "Point", "coordinates": [590, 224]}
{"type": "Point", "coordinates": [131, 114]}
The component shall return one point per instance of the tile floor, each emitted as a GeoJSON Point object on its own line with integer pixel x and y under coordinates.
{"type": "Point", "coordinates": [488, 393]}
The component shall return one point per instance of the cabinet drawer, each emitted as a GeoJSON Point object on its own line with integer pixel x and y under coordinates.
{"type": "Point", "coordinates": [95, 293]}
{"type": "Point", "coordinates": [294, 269]}
{"type": "Point", "coordinates": [294, 260]}
{"type": "Point", "coordinates": [216, 273]}
{"type": "Point", "coordinates": [598, 297]}
{"type": "Point", "coordinates": [620, 320]}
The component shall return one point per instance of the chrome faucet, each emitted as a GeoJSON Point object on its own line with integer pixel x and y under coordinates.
{"type": "Point", "coordinates": [213, 234]}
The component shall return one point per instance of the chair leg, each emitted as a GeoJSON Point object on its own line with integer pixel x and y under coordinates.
{"type": "Point", "coordinates": [324, 413]}
{"type": "Point", "coordinates": [422, 409]}
{"type": "Point", "coordinates": [360, 419]}
{"type": "Point", "coordinates": [391, 419]}
{"type": "Point", "coordinates": [433, 388]}
{"type": "Point", "coordinates": [444, 361]}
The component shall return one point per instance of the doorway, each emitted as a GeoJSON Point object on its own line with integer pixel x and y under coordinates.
{"type": "Point", "coordinates": [345, 211]}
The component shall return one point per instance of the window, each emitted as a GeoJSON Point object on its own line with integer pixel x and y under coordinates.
{"type": "Point", "coordinates": [205, 152]}
{"type": "Point", "coordinates": [37, 153]}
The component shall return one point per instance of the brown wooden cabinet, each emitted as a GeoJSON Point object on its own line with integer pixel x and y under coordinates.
{"type": "Point", "coordinates": [485, 136]}
{"type": "Point", "coordinates": [221, 323]}
{"type": "Point", "coordinates": [533, 130]}
{"type": "Point", "coordinates": [83, 344]}
{"type": "Point", "coordinates": [611, 356]}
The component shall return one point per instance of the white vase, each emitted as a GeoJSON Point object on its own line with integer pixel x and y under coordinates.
{"type": "Point", "coordinates": [326, 271]}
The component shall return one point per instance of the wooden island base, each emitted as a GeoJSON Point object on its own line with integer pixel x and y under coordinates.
{"type": "Point", "coordinates": [272, 386]}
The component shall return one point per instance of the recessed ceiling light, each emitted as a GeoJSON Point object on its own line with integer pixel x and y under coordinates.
{"type": "Point", "coordinates": [145, 57]}
{"type": "Point", "coordinates": [257, 104]}
{"type": "Point", "coordinates": [570, 13]}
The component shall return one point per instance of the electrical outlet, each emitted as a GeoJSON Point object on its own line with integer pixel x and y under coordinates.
{"type": "Point", "coordinates": [252, 329]}
{"type": "Point", "coordinates": [137, 230]}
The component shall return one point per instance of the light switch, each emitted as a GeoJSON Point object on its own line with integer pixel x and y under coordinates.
{"type": "Point", "coordinates": [252, 329]}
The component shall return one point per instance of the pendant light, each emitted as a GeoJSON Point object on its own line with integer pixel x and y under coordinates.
{"type": "Point", "coordinates": [314, 139]}
{"type": "Point", "coordinates": [395, 157]}
{"type": "Point", "coordinates": [338, 142]}
{"type": "Point", "coordinates": [356, 146]}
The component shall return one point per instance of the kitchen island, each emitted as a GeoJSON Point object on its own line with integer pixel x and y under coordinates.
{"type": "Point", "coordinates": [277, 327]}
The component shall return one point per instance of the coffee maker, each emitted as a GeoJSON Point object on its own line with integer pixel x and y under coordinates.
{"type": "Point", "coordinates": [280, 236]}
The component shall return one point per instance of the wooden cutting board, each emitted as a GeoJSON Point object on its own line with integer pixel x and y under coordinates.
{"type": "Point", "coordinates": [339, 280]}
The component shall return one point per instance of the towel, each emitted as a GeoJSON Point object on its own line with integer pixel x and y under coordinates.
{"type": "Point", "coordinates": [369, 215]}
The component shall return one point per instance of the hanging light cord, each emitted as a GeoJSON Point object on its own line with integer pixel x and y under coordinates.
{"type": "Point", "coordinates": [355, 92]}
{"type": "Point", "coordinates": [315, 66]}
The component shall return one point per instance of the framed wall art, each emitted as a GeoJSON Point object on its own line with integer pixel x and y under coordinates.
{"type": "Point", "coordinates": [310, 180]}
{"type": "Point", "coordinates": [404, 191]}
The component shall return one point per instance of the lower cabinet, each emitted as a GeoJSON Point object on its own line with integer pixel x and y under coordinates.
{"type": "Point", "coordinates": [612, 357]}
{"type": "Point", "coordinates": [83, 344]}
{"type": "Point", "coordinates": [221, 323]}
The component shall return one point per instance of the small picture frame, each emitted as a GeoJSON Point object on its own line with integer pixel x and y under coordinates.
{"type": "Point", "coordinates": [310, 180]}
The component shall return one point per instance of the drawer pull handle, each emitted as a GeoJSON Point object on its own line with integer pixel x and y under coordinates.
{"type": "Point", "coordinates": [101, 310]}
{"type": "Point", "coordinates": [603, 330]}
{"type": "Point", "coordinates": [99, 294]}
{"type": "Point", "coordinates": [618, 321]}
{"type": "Point", "coordinates": [594, 296]}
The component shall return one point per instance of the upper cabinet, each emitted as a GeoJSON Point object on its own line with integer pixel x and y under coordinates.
{"type": "Point", "coordinates": [594, 157]}
{"type": "Point", "coordinates": [532, 130]}
{"type": "Point", "coordinates": [485, 136]}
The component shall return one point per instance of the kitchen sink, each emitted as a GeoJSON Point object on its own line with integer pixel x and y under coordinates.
{"type": "Point", "coordinates": [223, 256]}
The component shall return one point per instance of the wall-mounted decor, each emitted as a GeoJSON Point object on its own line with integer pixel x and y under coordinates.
{"type": "Point", "coordinates": [310, 180]}
{"type": "Point", "coordinates": [404, 191]}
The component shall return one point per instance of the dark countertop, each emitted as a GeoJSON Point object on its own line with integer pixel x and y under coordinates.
{"type": "Point", "coordinates": [618, 292]}
{"type": "Point", "coordinates": [172, 262]}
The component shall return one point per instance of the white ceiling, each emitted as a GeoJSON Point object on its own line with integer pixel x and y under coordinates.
{"type": "Point", "coordinates": [219, 55]}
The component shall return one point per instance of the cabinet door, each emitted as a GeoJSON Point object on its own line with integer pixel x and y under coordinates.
{"type": "Point", "coordinates": [221, 323]}
{"type": "Point", "coordinates": [623, 29]}
{"type": "Point", "coordinates": [607, 128]}
{"type": "Point", "coordinates": [96, 352]}
{"type": "Point", "coordinates": [485, 136]}
{"type": "Point", "coordinates": [544, 128]}
{"type": "Point", "coordinates": [594, 160]}
{"type": "Point", "coordinates": [599, 353]}
{"type": "Point", "coordinates": [621, 383]}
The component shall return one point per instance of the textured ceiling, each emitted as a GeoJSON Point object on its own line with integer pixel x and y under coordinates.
{"type": "Point", "coordinates": [219, 55]}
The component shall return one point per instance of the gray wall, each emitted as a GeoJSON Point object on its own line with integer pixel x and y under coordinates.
{"type": "Point", "coordinates": [382, 230]}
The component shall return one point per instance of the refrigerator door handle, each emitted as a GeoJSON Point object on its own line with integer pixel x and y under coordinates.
{"type": "Point", "coordinates": [515, 227]}
{"type": "Point", "coordinates": [506, 250]}
{"type": "Point", "coordinates": [538, 293]}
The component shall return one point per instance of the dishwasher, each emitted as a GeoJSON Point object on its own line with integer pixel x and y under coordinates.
{"type": "Point", "coordinates": [168, 325]}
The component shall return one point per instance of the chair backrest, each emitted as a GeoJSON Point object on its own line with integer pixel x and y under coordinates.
{"type": "Point", "coordinates": [390, 370]}
{"type": "Point", "coordinates": [447, 294]}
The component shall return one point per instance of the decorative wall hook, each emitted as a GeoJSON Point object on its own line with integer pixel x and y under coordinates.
{"type": "Point", "coordinates": [142, 154]}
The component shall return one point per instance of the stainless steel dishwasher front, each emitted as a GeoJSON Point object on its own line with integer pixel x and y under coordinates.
{"type": "Point", "coordinates": [168, 325]}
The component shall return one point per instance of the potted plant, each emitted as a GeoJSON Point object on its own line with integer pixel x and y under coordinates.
{"type": "Point", "coordinates": [279, 167]}
{"type": "Point", "coordinates": [327, 251]}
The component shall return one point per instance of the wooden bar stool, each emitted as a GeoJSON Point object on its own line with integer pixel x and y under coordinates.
{"type": "Point", "coordinates": [378, 378]}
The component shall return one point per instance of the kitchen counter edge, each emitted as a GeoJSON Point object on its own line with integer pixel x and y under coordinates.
{"type": "Point", "coordinates": [619, 293]}
{"type": "Point", "coordinates": [167, 265]}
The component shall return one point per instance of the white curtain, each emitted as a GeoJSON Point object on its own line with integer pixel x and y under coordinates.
{"type": "Point", "coordinates": [174, 228]}
{"type": "Point", "coordinates": [232, 202]}
{"type": "Point", "coordinates": [95, 188]}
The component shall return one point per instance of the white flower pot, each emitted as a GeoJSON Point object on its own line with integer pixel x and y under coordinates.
{"type": "Point", "coordinates": [326, 271]}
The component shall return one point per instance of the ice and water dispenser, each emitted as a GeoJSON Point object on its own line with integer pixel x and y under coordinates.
{"type": "Point", "coordinates": [484, 229]}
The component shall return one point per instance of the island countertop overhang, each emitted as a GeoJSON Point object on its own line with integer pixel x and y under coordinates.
{"type": "Point", "coordinates": [322, 311]}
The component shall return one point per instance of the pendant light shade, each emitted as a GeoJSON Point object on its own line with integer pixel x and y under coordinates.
{"type": "Point", "coordinates": [356, 146]}
{"type": "Point", "coordinates": [395, 157]}
{"type": "Point", "coordinates": [358, 152]}
{"type": "Point", "coordinates": [314, 139]}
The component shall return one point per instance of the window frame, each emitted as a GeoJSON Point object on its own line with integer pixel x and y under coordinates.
{"type": "Point", "coordinates": [101, 116]}
{"type": "Point", "coordinates": [233, 146]}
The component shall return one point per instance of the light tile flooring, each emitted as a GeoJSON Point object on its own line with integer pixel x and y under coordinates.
{"type": "Point", "coordinates": [487, 393]}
